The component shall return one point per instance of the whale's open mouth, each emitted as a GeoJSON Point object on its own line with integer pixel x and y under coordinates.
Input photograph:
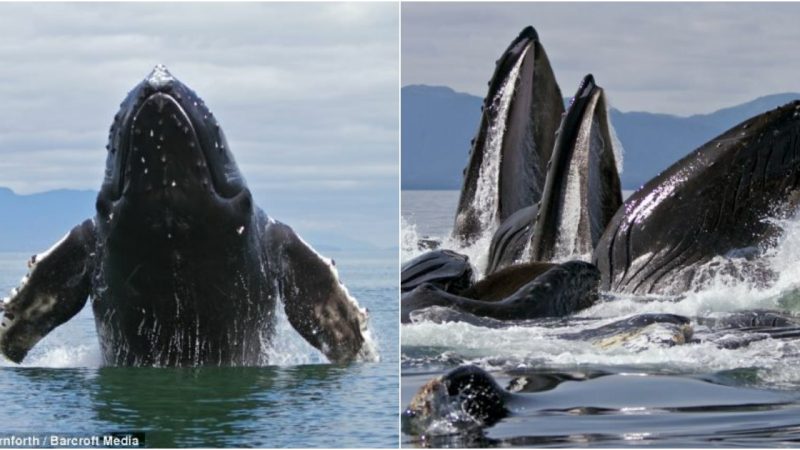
{"type": "Point", "coordinates": [165, 137]}
{"type": "Point", "coordinates": [509, 154]}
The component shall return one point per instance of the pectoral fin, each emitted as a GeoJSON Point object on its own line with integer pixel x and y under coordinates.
{"type": "Point", "coordinates": [316, 303]}
{"type": "Point", "coordinates": [55, 289]}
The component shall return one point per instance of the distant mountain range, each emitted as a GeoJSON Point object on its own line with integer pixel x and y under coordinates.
{"type": "Point", "coordinates": [438, 124]}
{"type": "Point", "coordinates": [34, 222]}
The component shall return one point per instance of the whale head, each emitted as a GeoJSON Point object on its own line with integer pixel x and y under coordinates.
{"type": "Point", "coordinates": [166, 150]}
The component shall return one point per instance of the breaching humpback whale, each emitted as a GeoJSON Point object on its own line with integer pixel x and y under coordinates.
{"type": "Point", "coordinates": [181, 267]}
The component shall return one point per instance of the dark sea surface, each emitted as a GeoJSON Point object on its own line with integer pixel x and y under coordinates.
{"type": "Point", "coordinates": [636, 393]}
{"type": "Point", "coordinates": [301, 401]}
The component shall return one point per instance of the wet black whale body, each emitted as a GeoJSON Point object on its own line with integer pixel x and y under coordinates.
{"type": "Point", "coordinates": [714, 202]}
{"type": "Point", "coordinates": [559, 291]}
{"type": "Point", "coordinates": [180, 265]}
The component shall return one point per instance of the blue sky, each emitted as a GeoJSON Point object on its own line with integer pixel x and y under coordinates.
{"type": "Point", "coordinates": [679, 58]}
{"type": "Point", "coordinates": [306, 93]}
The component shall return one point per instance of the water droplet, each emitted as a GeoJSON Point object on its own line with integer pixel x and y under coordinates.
{"type": "Point", "coordinates": [163, 158]}
{"type": "Point", "coordinates": [142, 159]}
{"type": "Point", "coordinates": [151, 133]}
{"type": "Point", "coordinates": [174, 183]}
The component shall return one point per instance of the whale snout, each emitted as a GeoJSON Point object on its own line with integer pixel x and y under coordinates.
{"type": "Point", "coordinates": [165, 137]}
{"type": "Point", "coordinates": [160, 78]}
{"type": "Point", "coordinates": [165, 151]}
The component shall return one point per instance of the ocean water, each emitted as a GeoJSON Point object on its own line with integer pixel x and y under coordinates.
{"type": "Point", "coordinates": [301, 401]}
{"type": "Point", "coordinates": [579, 393]}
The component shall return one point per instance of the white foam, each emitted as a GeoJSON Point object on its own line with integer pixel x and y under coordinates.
{"type": "Point", "coordinates": [409, 239]}
{"type": "Point", "coordinates": [63, 356]}
{"type": "Point", "coordinates": [287, 347]}
{"type": "Point", "coordinates": [478, 251]}
{"type": "Point", "coordinates": [534, 346]}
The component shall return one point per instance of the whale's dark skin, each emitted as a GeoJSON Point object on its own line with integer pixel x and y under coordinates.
{"type": "Point", "coordinates": [511, 238]}
{"type": "Point", "coordinates": [713, 202]}
{"type": "Point", "coordinates": [181, 267]}
{"type": "Point", "coordinates": [505, 282]}
{"type": "Point", "coordinates": [530, 123]}
{"type": "Point", "coordinates": [467, 389]}
{"type": "Point", "coordinates": [582, 180]}
{"type": "Point", "coordinates": [445, 269]}
{"type": "Point", "coordinates": [560, 291]}
{"type": "Point", "coordinates": [583, 160]}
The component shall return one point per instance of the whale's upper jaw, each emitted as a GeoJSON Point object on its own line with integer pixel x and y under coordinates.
{"type": "Point", "coordinates": [164, 133]}
{"type": "Point", "coordinates": [516, 50]}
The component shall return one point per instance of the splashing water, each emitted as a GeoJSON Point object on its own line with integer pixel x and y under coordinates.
{"type": "Point", "coordinates": [62, 350]}
{"type": "Point", "coordinates": [287, 348]}
{"type": "Point", "coordinates": [543, 344]}
{"type": "Point", "coordinates": [478, 251]}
